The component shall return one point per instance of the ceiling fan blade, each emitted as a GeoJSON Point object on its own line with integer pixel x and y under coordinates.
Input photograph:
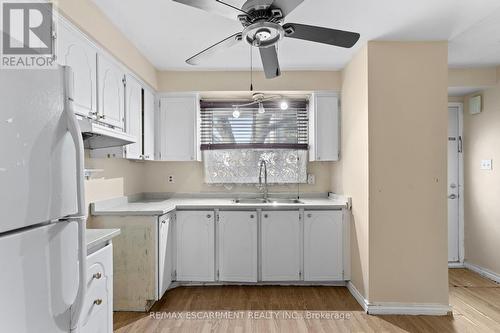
{"type": "Point", "coordinates": [209, 51]}
{"type": "Point", "coordinates": [215, 6]}
{"type": "Point", "coordinates": [270, 61]}
{"type": "Point", "coordinates": [334, 37]}
{"type": "Point", "coordinates": [287, 6]}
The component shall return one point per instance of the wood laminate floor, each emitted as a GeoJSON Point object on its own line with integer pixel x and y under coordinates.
{"type": "Point", "coordinates": [475, 301]}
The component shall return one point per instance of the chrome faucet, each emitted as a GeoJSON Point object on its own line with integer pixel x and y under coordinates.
{"type": "Point", "coordinates": [263, 163]}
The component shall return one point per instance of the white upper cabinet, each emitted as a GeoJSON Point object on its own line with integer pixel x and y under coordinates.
{"type": "Point", "coordinates": [75, 51]}
{"type": "Point", "coordinates": [133, 110]}
{"type": "Point", "coordinates": [238, 246]}
{"type": "Point", "coordinates": [149, 125]}
{"type": "Point", "coordinates": [323, 246]}
{"type": "Point", "coordinates": [281, 246]}
{"type": "Point", "coordinates": [195, 239]}
{"type": "Point", "coordinates": [111, 88]}
{"type": "Point", "coordinates": [324, 127]}
{"type": "Point", "coordinates": [177, 128]}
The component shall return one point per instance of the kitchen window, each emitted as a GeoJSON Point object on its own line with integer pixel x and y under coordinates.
{"type": "Point", "coordinates": [235, 139]}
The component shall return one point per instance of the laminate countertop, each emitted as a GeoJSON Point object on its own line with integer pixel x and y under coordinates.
{"type": "Point", "coordinates": [95, 237]}
{"type": "Point", "coordinates": [125, 206]}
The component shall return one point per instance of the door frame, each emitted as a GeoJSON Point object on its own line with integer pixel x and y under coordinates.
{"type": "Point", "coordinates": [461, 246]}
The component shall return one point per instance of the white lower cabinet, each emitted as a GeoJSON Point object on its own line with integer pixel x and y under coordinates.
{"type": "Point", "coordinates": [195, 232]}
{"type": "Point", "coordinates": [323, 246]}
{"type": "Point", "coordinates": [165, 252]}
{"type": "Point", "coordinates": [281, 246]}
{"type": "Point", "coordinates": [97, 315]}
{"type": "Point", "coordinates": [238, 246]}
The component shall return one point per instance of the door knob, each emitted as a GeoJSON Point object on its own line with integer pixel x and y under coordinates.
{"type": "Point", "coordinates": [452, 196]}
{"type": "Point", "coordinates": [97, 276]}
{"type": "Point", "coordinates": [98, 302]}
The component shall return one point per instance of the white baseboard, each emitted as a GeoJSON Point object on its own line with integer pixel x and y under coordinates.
{"type": "Point", "coordinates": [456, 265]}
{"type": "Point", "coordinates": [397, 308]}
{"type": "Point", "coordinates": [357, 295]}
{"type": "Point", "coordinates": [483, 271]}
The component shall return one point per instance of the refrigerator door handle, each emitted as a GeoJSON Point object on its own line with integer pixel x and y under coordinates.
{"type": "Point", "coordinates": [80, 217]}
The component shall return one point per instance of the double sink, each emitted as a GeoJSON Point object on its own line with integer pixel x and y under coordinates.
{"type": "Point", "coordinates": [267, 201]}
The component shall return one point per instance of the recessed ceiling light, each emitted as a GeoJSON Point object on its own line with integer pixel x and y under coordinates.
{"type": "Point", "coordinates": [284, 105]}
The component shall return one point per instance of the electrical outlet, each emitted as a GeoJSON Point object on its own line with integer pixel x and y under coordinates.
{"type": "Point", "coordinates": [311, 179]}
{"type": "Point", "coordinates": [171, 179]}
{"type": "Point", "coordinates": [486, 164]}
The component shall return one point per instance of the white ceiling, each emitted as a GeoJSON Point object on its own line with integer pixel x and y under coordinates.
{"type": "Point", "coordinates": [167, 33]}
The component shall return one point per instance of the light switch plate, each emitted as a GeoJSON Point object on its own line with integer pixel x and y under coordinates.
{"type": "Point", "coordinates": [486, 164]}
{"type": "Point", "coordinates": [311, 179]}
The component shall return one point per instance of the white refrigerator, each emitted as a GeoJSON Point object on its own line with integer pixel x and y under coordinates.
{"type": "Point", "coordinates": [42, 209]}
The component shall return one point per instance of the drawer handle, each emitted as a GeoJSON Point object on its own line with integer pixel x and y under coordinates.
{"type": "Point", "coordinates": [97, 276]}
{"type": "Point", "coordinates": [98, 301]}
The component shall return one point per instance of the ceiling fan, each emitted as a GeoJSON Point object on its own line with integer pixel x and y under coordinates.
{"type": "Point", "coordinates": [263, 27]}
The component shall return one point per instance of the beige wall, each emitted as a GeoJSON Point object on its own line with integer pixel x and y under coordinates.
{"type": "Point", "coordinates": [472, 77]}
{"type": "Point", "coordinates": [408, 168]}
{"type": "Point", "coordinates": [189, 178]}
{"type": "Point", "coordinates": [240, 81]}
{"type": "Point", "coordinates": [394, 141]}
{"type": "Point", "coordinates": [89, 18]}
{"type": "Point", "coordinates": [481, 187]}
{"type": "Point", "coordinates": [350, 174]}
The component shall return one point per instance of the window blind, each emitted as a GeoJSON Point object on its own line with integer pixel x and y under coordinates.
{"type": "Point", "coordinates": [273, 129]}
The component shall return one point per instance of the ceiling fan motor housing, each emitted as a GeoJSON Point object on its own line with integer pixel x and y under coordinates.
{"type": "Point", "coordinates": [263, 34]}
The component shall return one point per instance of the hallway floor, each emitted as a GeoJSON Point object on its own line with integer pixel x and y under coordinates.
{"type": "Point", "coordinates": [475, 301]}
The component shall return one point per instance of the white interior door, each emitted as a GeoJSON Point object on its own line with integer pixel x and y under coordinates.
{"type": "Point", "coordinates": [454, 183]}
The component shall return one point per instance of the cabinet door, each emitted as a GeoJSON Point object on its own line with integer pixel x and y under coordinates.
{"type": "Point", "coordinates": [178, 123]}
{"type": "Point", "coordinates": [325, 127]}
{"type": "Point", "coordinates": [165, 252]}
{"type": "Point", "coordinates": [75, 51]}
{"type": "Point", "coordinates": [133, 109]}
{"type": "Point", "coordinates": [97, 315]}
{"type": "Point", "coordinates": [195, 246]}
{"type": "Point", "coordinates": [111, 92]}
{"type": "Point", "coordinates": [281, 249]}
{"type": "Point", "coordinates": [149, 125]}
{"type": "Point", "coordinates": [238, 246]}
{"type": "Point", "coordinates": [323, 235]}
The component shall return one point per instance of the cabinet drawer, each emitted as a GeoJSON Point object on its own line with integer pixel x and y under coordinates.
{"type": "Point", "coordinates": [97, 315]}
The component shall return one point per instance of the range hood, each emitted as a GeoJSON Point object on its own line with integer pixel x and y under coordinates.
{"type": "Point", "coordinates": [97, 136]}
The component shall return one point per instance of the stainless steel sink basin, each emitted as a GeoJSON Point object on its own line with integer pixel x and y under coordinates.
{"type": "Point", "coordinates": [264, 201]}
{"type": "Point", "coordinates": [250, 201]}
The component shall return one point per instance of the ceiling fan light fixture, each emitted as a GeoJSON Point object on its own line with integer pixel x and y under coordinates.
{"type": "Point", "coordinates": [261, 108]}
{"type": "Point", "coordinates": [236, 113]}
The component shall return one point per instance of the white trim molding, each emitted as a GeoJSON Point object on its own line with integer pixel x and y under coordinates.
{"type": "Point", "coordinates": [483, 271]}
{"type": "Point", "coordinates": [393, 308]}
{"type": "Point", "coordinates": [358, 296]}
{"type": "Point", "coordinates": [456, 264]}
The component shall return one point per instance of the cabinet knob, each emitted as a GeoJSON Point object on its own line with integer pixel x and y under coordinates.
{"type": "Point", "coordinates": [266, 216]}
{"type": "Point", "coordinates": [98, 301]}
{"type": "Point", "coordinates": [97, 276]}
{"type": "Point", "coordinates": [251, 216]}
{"type": "Point", "coordinates": [163, 222]}
{"type": "Point", "coordinates": [209, 216]}
{"type": "Point", "coordinates": [309, 215]}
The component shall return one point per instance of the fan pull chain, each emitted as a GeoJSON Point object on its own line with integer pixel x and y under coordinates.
{"type": "Point", "coordinates": [251, 69]}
